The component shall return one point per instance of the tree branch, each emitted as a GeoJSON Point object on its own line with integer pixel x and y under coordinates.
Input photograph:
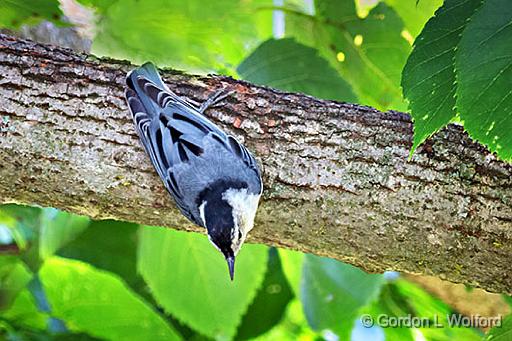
{"type": "Point", "coordinates": [337, 179]}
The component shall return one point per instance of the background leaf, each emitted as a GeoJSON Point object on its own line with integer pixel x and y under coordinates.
{"type": "Point", "coordinates": [14, 276]}
{"type": "Point", "coordinates": [269, 305]}
{"type": "Point", "coordinates": [174, 263]}
{"type": "Point", "coordinates": [414, 13]}
{"type": "Point", "coordinates": [108, 245]}
{"type": "Point", "coordinates": [484, 77]}
{"type": "Point", "coordinates": [501, 333]}
{"type": "Point", "coordinates": [183, 34]}
{"type": "Point", "coordinates": [57, 229]}
{"type": "Point", "coordinates": [287, 65]}
{"type": "Point", "coordinates": [291, 262]}
{"type": "Point", "coordinates": [428, 78]}
{"type": "Point", "coordinates": [14, 13]}
{"type": "Point", "coordinates": [24, 312]}
{"type": "Point", "coordinates": [369, 53]}
{"type": "Point", "coordinates": [333, 293]}
{"type": "Point", "coordinates": [99, 303]}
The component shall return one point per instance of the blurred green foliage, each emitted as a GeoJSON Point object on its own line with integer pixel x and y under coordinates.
{"type": "Point", "coordinates": [14, 13]}
{"type": "Point", "coordinates": [64, 277]}
{"type": "Point", "coordinates": [89, 289]}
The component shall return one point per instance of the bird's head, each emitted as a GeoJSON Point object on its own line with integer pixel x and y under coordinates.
{"type": "Point", "coordinates": [227, 210]}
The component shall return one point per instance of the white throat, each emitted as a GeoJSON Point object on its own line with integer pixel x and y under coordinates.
{"type": "Point", "coordinates": [244, 206]}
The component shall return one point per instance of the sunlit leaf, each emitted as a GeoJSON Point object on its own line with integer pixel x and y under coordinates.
{"type": "Point", "coordinates": [291, 262]}
{"type": "Point", "coordinates": [484, 76]}
{"type": "Point", "coordinates": [174, 263]}
{"type": "Point", "coordinates": [57, 229]}
{"type": "Point", "coordinates": [99, 303]}
{"type": "Point", "coordinates": [414, 14]}
{"type": "Point", "coordinates": [287, 65]}
{"type": "Point", "coordinates": [333, 292]}
{"type": "Point", "coordinates": [428, 78]}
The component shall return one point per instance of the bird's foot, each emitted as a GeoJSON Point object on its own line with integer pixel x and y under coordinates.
{"type": "Point", "coordinates": [215, 99]}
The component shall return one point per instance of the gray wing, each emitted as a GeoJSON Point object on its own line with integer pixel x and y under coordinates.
{"type": "Point", "coordinates": [172, 131]}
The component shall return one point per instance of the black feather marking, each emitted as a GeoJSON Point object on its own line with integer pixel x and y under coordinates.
{"type": "Point", "coordinates": [182, 153]}
{"type": "Point", "coordinates": [173, 186]}
{"type": "Point", "coordinates": [160, 146]}
{"type": "Point", "coordinates": [152, 91]}
{"type": "Point", "coordinates": [178, 116]}
{"type": "Point", "coordinates": [173, 180]}
{"type": "Point", "coordinates": [164, 120]}
{"type": "Point", "coordinates": [129, 81]}
{"type": "Point", "coordinates": [129, 93]}
{"type": "Point", "coordinates": [162, 97]}
{"type": "Point", "coordinates": [218, 139]}
{"type": "Point", "coordinates": [166, 101]}
{"type": "Point", "coordinates": [193, 148]}
{"type": "Point", "coordinates": [235, 146]}
{"type": "Point", "coordinates": [135, 105]}
{"type": "Point", "coordinates": [175, 134]}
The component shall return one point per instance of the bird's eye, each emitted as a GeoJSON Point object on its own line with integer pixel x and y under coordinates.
{"type": "Point", "coordinates": [239, 234]}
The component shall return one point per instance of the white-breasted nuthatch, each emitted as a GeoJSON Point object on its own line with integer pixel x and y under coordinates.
{"type": "Point", "coordinates": [214, 180]}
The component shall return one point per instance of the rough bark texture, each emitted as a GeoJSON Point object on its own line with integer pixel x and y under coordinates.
{"type": "Point", "coordinates": [337, 179]}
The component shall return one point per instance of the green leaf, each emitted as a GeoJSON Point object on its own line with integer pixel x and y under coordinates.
{"type": "Point", "coordinates": [484, 76]}
{"type": "Point", "coordinates": [501, 333]}
{"type": "Point", "coordinates": [14, 276]}
{"type": "Point", "coordinates": [109, 245]}
{"type": "Point", "coordinates": [174, 263]}
{"type": "Point", "coordinates": [333, 293]}
{"type": "Point", "coordinates": [293, 326]}
{"type": "Point", "coordinates": [292, 262]}
{"type": "Point", "coordinates": [24, 312]}
{"type": "Point", "coordinates": [183, 34]}
{"type": "Point", "coordinates": [369, 53]}
{"type": "Point", "coordinates": [57, 229]}
{"type": "Point", "coordinates": [414, 14]}
{"type": "Point", "coordinates": [428, 78]}
{"type": "Point", "coordinates": [270, 302]}
{"type": "Point", "coordinates": [287, 65]}
{"type": "Point", "coordinates": [99, 303]}
{"type": "Point", "coordinates": [14, 13]}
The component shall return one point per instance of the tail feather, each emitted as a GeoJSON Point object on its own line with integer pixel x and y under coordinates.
{"type": "Point", "coordinates": [148, 71]}
{"type": "Point", "coordinates": [145, 85]}
{"type": "Point", "coordinates": [138, 91]}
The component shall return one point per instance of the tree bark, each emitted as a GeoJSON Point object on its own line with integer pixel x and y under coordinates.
{"type": "Point", "coordinates": [338, 182]}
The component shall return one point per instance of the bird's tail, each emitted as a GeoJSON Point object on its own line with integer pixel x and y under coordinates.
{"type": "Point", "coordinates": [143, 86]}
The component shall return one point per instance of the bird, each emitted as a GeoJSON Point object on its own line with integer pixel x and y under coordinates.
{"type": "Point", "coordinates": [214, 180]}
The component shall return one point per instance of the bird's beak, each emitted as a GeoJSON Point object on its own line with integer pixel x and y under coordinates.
{"type": "Point", "coordinates": [231, 266]}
